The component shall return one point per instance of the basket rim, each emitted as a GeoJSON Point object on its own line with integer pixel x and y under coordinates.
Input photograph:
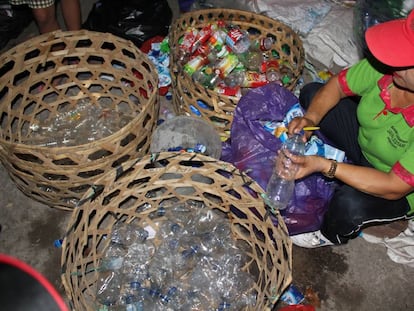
{"type": "Point", "coordinates": [52, 38]}
{"type": "Point", "coordinates": [235, 11]}
{"type": "Point", "coordinates": [109, 138]}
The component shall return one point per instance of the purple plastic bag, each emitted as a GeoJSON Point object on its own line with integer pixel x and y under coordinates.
{"type": "Point", "coordinates": [252, 149]}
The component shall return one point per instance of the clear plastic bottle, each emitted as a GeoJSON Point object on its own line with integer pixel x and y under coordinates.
{"type": "Point", "coordinates": [127, 234]}
{"type": "Point", "coordinates": [109, 276]}
{"type": "Point", "coordinates": [281, 184]}
{"type": "Point", "coordinates": [220, 70]}
{"type": "Point", "coordinates": [237, 39]}
{"type": "Point", "coordinates": [235, 78]}
{"type": "Point", "coordinates": [286, 73]}
{"type": "Point", "coordinates": [273, 71]}
{"type": "Point", "coordinates": [202, 36]}
{"type": "Point", "coordinates": [264, 44]}
{"type": "Point", "coordinates": [185, 46]}
{"type": "Point", "coordinates": [195, 63]}
{"type": "Point", "coordinates": [252, 59]}
{"type": "Point", "coordinates": [204, 75]}
{"type": "Point", "coordinates": [245, 79]}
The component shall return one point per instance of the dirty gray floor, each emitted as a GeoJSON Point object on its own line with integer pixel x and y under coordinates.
{"type": "Point", "coordinates": [354, 277]}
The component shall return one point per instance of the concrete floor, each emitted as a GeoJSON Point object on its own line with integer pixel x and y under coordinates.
{"type": "Point", "coordinates": [354, 277]}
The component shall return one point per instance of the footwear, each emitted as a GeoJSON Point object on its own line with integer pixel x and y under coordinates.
{"type": "Point", "coordinates": [310, 240]}
{"type": "Point", "coordinates": [371, 238]}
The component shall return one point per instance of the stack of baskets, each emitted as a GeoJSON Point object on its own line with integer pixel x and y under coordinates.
{"type": "Point", "coordinates": [53, 74]}
{"type": "Point", "coordinates": [136, 189]}
{"type": "Point", "coordinates": [219, 110]}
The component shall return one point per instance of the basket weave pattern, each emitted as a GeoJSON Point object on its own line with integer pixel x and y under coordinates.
{"type": "Point", "coordinates": [53, 73]}
{"type": "Point", "coordinates": [135, 190]}
{"type": "Point", "coordinates": [220, 112]}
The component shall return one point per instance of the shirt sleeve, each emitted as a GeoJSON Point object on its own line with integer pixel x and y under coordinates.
{"type": "Point", "coordinates": [359, 78]}
{"type": "Point", "coordinates": [404, 168]}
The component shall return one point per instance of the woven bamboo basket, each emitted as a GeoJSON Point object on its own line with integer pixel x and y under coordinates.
{"type": "Point", "coordinates": [219, 110]}
{"type": "Point", "coordinates": [53, 73]}
{"type": "Point", "coordinates": [132, 192]}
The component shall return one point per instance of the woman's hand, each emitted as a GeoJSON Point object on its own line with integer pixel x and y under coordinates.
{"type": "Point", "coordinates": [297, 124]}
{"type": "Point", "coordinates": [309, 164]}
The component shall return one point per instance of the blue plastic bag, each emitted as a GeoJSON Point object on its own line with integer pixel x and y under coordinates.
{"type": "Point", "coordinates": [252, 149]}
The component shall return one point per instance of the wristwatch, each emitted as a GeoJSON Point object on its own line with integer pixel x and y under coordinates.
{"type": "Point", "coordinates": [332, 170]}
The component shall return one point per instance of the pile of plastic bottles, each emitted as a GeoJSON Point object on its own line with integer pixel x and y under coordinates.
{"type": "Point", "coordinates": [223, 57]}
{"type": "Point", "coordinates": [83, 124]}
{"type": "Point", "coordinates": [189, 262]}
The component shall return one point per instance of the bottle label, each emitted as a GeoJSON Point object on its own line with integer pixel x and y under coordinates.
{"type": "Point", "coordinates": [272, 65]}
{"type": "Point", "coordinates": [234, 35]}
{"type": "Point", "coordinates": [202, 36]}
{"type": "Point", "coordinates": [254, 79]}
{"type": "Point", "coordinates": [194, 64]}
{"type": "Point", "coordinates": [228, 91]}
{"type": "Point", "coordinates": [187, 41]}
{"type": "Point", "coordinates": [226, 65]}
{"type": "Point", "coordinates": [216, 40]}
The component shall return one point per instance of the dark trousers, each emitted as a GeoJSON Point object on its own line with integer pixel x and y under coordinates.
{"type": "Point", "coordinates": [350, 210]}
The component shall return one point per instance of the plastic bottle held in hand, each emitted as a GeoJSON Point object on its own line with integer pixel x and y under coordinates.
{"type": "Point", "coordinates": [281, 184]}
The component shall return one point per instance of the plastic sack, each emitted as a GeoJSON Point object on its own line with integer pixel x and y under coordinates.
{"type": "Point", "coordinates": [134, 20]}
{"type": "Point", "coordinates": [371, 12]}
{"type": "Point", "coordinates": [252, 149]}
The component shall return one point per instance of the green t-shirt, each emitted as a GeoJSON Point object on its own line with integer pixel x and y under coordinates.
{"type": "Point", "coordinates": [386, 135]}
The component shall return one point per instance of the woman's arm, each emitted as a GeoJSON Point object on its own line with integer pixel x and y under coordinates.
{"type": "Point", "coordinates": [324, 100]}
{"type": "Point", "coordinates": [365, 179]}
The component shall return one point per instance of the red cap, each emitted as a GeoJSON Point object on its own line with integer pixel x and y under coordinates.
{"type": "Point", "coordinates": [392, 42]}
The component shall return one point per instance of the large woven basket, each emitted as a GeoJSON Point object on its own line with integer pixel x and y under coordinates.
{"type": "Point", "coordinates": [53, 73]}
{"type": "Point", "coordinates": [220, 108]}
{"type": "Point", "coordinates": [134, 190]}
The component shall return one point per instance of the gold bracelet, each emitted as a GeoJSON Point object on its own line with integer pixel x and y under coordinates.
{"type": "Point", "coordinates": [332, 170]}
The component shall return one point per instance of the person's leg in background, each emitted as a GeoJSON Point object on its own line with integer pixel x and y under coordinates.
{"type": "Point", "coordinates": [45, 17]}
{"type": "Point", "coordinates": [71, 14]}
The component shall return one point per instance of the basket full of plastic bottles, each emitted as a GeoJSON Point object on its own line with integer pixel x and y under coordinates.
{"type": "Point", "coordinates": [73, 105]}
{"type": "Point", "coordinates": [219, 54]}
{"type": "Point", "coordinates": [175, 231]}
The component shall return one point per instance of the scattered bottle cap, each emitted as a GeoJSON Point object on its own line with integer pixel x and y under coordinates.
{"type": "Point", "coordinates": [58, 243]}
